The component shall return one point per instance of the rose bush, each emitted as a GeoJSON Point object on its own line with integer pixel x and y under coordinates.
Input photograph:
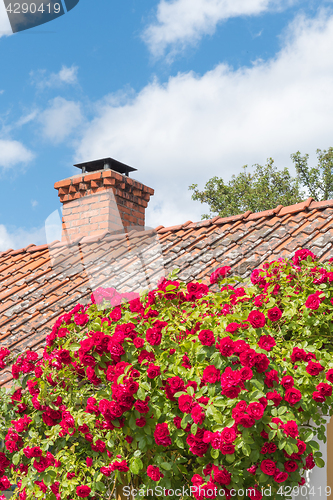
{"type": "Point", "coordinates": [177, 387]}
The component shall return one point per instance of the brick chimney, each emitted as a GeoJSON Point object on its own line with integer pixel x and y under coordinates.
{"type": "Point", "coordinates": [101, 199]}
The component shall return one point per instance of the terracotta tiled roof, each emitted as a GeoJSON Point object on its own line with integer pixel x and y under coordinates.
{"type": "Point", "coordinates": [38, 283]}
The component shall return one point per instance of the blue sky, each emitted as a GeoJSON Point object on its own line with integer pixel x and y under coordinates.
{"type": "Point", "coordinates": [182, 90]}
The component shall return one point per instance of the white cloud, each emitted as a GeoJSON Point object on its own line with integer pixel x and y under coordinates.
{"type": "Point", "coordinates": [60, 119]}
{"type": "Point", "coordinates": [183, 22]}
{"type": "Point", "coordinates": [66, 76]}
{"type": "Point", "coordinates": [16, 238]}
{"type": "Point", "coordinates": [194, 127]}
{"type": "Point", "coordinates": [1, 92]}
{"type": "Point", "coordinates": [34, 203]}
{"type": "Point", "coordinates": [13, 152]}
{"type": "Point", "coordinates": [27, 118]}
{"type": "Point", "coordinates": [5, 28]}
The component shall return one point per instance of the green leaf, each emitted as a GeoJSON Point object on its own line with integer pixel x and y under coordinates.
{"type": "Point", "coordinates": [230, 422]}
{"type": "Point", "coordinates": [74, 347]}
{"type": "Point", "coordinates": [230, 458]}
{"type": "Point", "coordinates": [179, 443]}
{"type": "Point", "coordinates": [214, 453]}
{"type": "Point", "coordinates": [141, 394]}
{"type": "Point", "coordinates": [100, 486]}
{"type": "Point", "coordinates": [319, 461]}
{"type": "Point", "coordinates": [134, 468]}
{"type": "Point", "coordinates": [308, 436]}
{"type": "Point", "coordinates": [314, 445]}
{"type": "Point", "coordinates": [190, 390]}
{"type": "Point", "coordinates": [246, 449]}
{"type": "Point", "coordinates": [254, 455]}
{"type": "Point", "coordinates": [289, 449]}
{"type": "Point", "coordinates": [25, 380]}
{"type": "Point", "coordinates": [194, 428]}
{"type": "Point", "coordinates": [282, 444]}
{"type": "Point", "coordinates": [166, 465]}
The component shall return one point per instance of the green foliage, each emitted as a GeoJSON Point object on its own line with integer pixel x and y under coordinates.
{"type": "Point", "coordinates": [267, 187]}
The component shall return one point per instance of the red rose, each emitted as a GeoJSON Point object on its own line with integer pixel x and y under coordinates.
{"type": "Point", "coordinates": [226, 346]}
{"type": "Point", "coordinates": [329, 375]}
{"type": "Point", "coordinates": [232, 327]}
{"type": "Point", "coordinates": [268, 467]}
{"type": "Point", "coordinates": [245, 373]}
{"type": "Point", "coordinates": [245, 420]}
{"type": "Point", "coordinates": [173, 385]}
{"type": "Point", "coordinates": [210, 374]}
{"type": "Point", "coordinates": [301, 446]}
{"type": "Point", "coordinates": [198, 414]}
{"type": "Point", "coordinates": [65, 357]}
{"type": "Point", "coordinates": [138, 342]}
{"type": "Point", "coordinates": [257, 319]}
{"type": "Point", "coordinates": [252, 469]}
{"type": "Point", "coordinates": [154, 336]}
{"type": "Point", "coordinates": [98, 446]}
{"type": "Point", "coordinates": [154, 473]}
{"type": "Point", "coordinates": [153, 371]}
{"type": "Point", "coordinates": [274, 314]}
{"type": "Point", "coordinates": [121, 466]}
{"type": "Point", "coordinates": [266, 342]}
{"type": "Point", "coordinates": [185, 403]}
{"type": "Point", "coordinates": [275, 397]}
{"type": "Point", "coordinates": [83, 491]}
{"type": "Point", "coordinates": [206, 337]}
{"type": "Point", "coordinates": [140, 422]}
{"type": "Point", "coordinates": [309, 462]}
{"type": "Point", "coordinates": [228, 435]}
{"type": "Point", "coordinates": [291, 429]}
{"type": "Point", "coordinates": [271, 447]}
{"type": "Point", "coordinates": [255, 410]}
{"type": "Point", "coordinates": [196, 443]}
{"type": "Point", "coordinates": [248, 358]}
{"type": "Point", "coordinates": [107, 471]}
{"type": "Point", "coordinates": [141, 406]}
{"type": "Point", "coordinates": [298, 355]}
{"type": "Point", "coordinates": [253, 493]}
{"type": "Point", "coordinates": [261, 362]}
{"type": "Point", "coordinates": [89, 462]}
{"type": "Point", "coordinates": [280, 477]}
{"type": "Point", "coordinates": [314, 368]}
{"type": "Point", "coordinates": [4, 483]}
{"type": "Point", "coordinates": [293, 396]}
{"type": "Point", "coordinates": [319, 398]}
{"type": "Point", "coordinates": [227, 449]}
{"type": "Point", "coordinates": [302, 254]}
{"type": "Point", "coordinates": [271, 377]}
{"type": "Point", "coordinates": [220, 273]}
{"type": "Point", "coordinates": [222, 477]}
{"type": "Point", "coordinates": [287, 381]}
{"type": "Point", "coordinates": [312, 302]}
{"type": "Point", "coordinates": [324, 389]}
{"type": "Point", "coordinates": [162, 435]}
{"type": "Point", "coordinates": [290, 466]}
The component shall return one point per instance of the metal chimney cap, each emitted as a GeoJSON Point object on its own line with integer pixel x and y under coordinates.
{"type": "Point", "coordinates": [106, 164]}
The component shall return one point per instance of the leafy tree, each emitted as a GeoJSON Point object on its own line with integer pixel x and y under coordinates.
{"type": "Point", "coordinates": [268, 187]}
{"type": "Point", "coordinates": [318, 180]}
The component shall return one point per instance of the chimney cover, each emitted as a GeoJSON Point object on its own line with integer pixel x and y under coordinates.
{"type": "Point", "coordinates": [106, 164]}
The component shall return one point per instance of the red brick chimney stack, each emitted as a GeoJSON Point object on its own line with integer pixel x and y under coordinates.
{"type": "Point", "coordinates": [100, 201]}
